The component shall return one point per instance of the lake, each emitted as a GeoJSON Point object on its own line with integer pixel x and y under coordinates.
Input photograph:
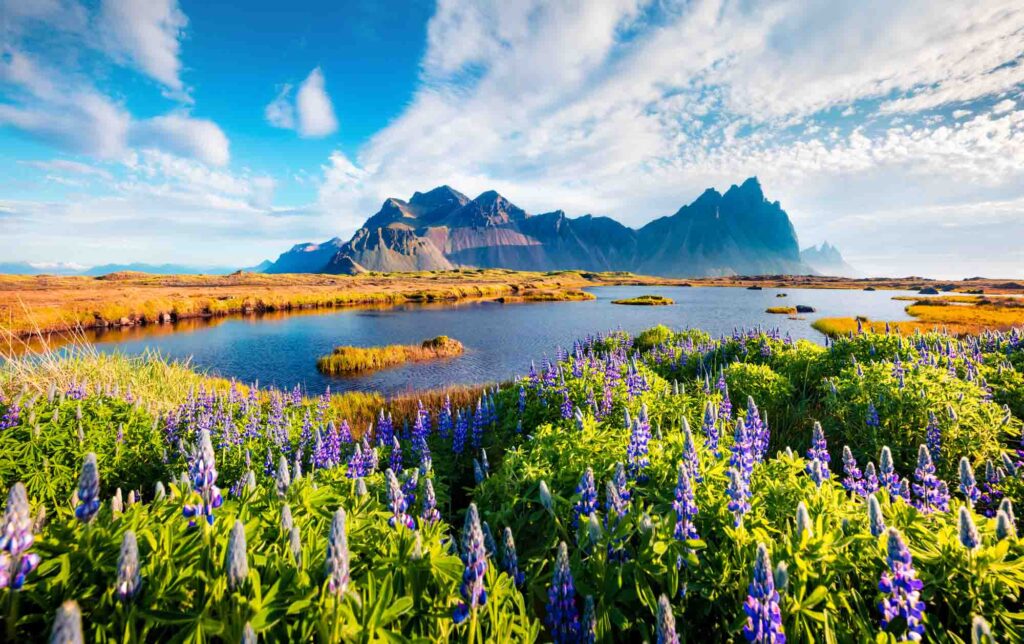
{"type": "Point", "coordinates": [500, 339]}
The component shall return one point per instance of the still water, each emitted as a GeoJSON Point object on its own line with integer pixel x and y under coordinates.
{"type": "Point", "coordinates": [500, 339]}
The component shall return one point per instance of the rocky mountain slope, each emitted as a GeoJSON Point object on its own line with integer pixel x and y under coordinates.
{"type": "Point", "coordinates": [739, 232]}
{"type": "Point", "coordinates": [827, 260]}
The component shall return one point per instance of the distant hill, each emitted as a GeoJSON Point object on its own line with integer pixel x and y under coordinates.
{"type": "Point", "coordinates": [827, 260]}
{"type": "Point", "coordinates": [739, 232]}
{"type": "Point", "coordinates": [27, 268]}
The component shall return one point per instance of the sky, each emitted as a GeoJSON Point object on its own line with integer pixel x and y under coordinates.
{"type": "Point", "coordinates": [196, 133]}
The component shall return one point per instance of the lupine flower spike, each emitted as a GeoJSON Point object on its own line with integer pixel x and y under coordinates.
{"type": "Point", "coordinates": [67, 627]}
{"type": "Point", "coordinates": [474, 556]}
{"type": "Point", "coordinates": [563, 616]}
{"type": "Point", "coordinates": [764, 619]}
{"type": "Point", "coordinates": [236, 560]}
{"type": "Point", "coordinates": [88, 490]}
{"type": "Point", "coordinates": [129, 577]}
{"type": "Point", "coordinates": [902, 588]}
{"type": "Point", "coordinates": [666, 622]}
{"type": "Point", "coordinates": [338, 576]}
{"type": "Point", "coordinates": [16, 537]}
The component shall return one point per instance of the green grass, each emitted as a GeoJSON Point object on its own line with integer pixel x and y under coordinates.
{"type": "Point", "coordinates": [646, 300]}
{"type": "Point", "coordinates": [349, 359]}
{"type": "Point", "coordinates": [781, 310]}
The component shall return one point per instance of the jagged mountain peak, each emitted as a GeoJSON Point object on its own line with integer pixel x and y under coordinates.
{"type": "Point", "coordinates": [439, 196]}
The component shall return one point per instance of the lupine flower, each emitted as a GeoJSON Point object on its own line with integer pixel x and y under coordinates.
{"type": "Point", "coordinates": [337, 564]}
{"type": "Point", "coordinates": [396, 455]}
{"type": "Point", "coordinates": [563, 616]}
{"type": "Point", "coordinates": [741, 452]}
{"type": "Point", "coordinates": [666, 628]}
{"type": "Point", "coordinates": [545, 496]}
{"type": "Point", "coordinates": [757, 430]}
{"type": "Point", "coordinates": [1005, 527]}
{"type": "Point", "coordinates": [710, 428]}
{"type": "Point", "coordinates": [876, 520]}
{"type": "Point", "coordinates": [490, 545]}
{"type": "Point", "coordinates": [159, 493]}
{"type": "Point", "coordinates": [587, 504]}
{"type": "Point", "coordinates": [295, 544]}
{"type": "Point", "coordinates": [409, 488]}
{"type": "Point", "coordinates": [887, 476]}
{"type": "Point", "coordinates": [510, 561]}
{"type": "Point", "coordinates": [1006, 505]}
{"type": "Point", "coordinates": [764, 619]}
{"type": "Point", "coordinates": [129, 577]}
{"type": "Point", "coordinates": [690, 457]}
{"type": "Point", "coordinates": [739, 494]}
{"type": "Point", "coordinates": [459, 435]}
{"type": "Point", "coordinates": [637, 450]}
{"type": "Point", "coordinates": [902, 588]}
{"type": "Point", "coordinates": [852, 481]}
{"type": "Point", "coordinates": [478, 473]}
{"type": "Point", "coordinates": [970, 538]}
{"type": "Point", "coordinates": [817, 473]}
{"type": "Point", "coordinates": [968, 484]}
{"type": "Point", "coordinates": [430, 512]}
{"type": "Point", "coordinates": [872, 419]}
{"type": "Point", "coordinates": [474, 556]}
{"type": "Point", "coordinates": [981, 632]}
{"type": "Point", "coordinates": [685, 507]}
{"type": "Point", "coordinates": [803, 522]}
{"type": "Point", "coordinates": [236, 560]}
{"type": "Point", "coordinates": [933, 437]}
{"type": "Point", "coordinates": [284, 477]}
{"type": "Point", "coordinates": [88, 490]}
{"type": "Point", "coordinates": [870, 479]}
{"type": "Point", "coordinates": [621, 482]}
{"type": "Point", "coordinates": [203, 473]}
{"type": "Point", "coordinates": [819, 452]}
{"type": "Point", "coordinates": [16, 563]}
{"type": "Point", "coordinates": [588, 623]}
{"type": "Point", "coordinates": [781, 577]}
{"type": "Point", "coordinates": [67, 626]}
{"type": "Point", "coordinates": [398, 504]}
{"type": "Point", "coordinates": [931, 492]}
{"type": "Point", "coordinates": [248, 634]}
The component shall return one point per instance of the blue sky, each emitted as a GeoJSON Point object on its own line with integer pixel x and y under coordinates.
{"type": "Point", "coordinates": [192, 132]}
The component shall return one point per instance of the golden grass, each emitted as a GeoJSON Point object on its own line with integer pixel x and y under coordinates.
{"type": "Point", "coordinates": [646, 300]}
{"type": "Point", "coordinates": [781, 310]}
{"type": "Point", "coordinates": [956, 315]}
{"type": "Point", "coordinates": [42, 304]}
{"type": "Point", "coordinates": [349, 359]}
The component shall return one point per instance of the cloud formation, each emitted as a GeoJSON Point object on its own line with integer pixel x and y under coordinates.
{"type": "Point", "coordinates": [311, 114]}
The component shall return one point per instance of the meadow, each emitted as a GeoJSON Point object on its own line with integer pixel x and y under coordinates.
{"type": "Point", "coordinates": [664, 487]}
{"type": "Point", "coordinates": [348, 359]}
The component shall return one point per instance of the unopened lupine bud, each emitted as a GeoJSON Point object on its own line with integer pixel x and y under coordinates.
{"type": "Point", "coordinates": [969, 536]}
{"type": "Point", "coordinates": [117, 503]}
{"type": "Point", "coordinates": [545, 497]}
{"type": "Point", "coordinates": [284, 477]}
{"type": "Point", "coordinates": [67, 627]}
{"type": "Point", "coordinates": [876, 521]}
{"type": "Point", "coordinates": [131, 498]}
{"type": "Point", "coordinates": [803, 522]}
{"type": "Point", "coordinates": [295, 544]}
{"type": "Point", "coordinates": [666, 622]}
{"type": "Point", "coordinates": [160, 493]}
{"type": "Point", "coordinates": [981, 632]}
{"type": "Point", "coordinates": [781, 576]}
{"type": "Point", "coordinates": [88, 490]}
{"type": "Point", "coordinates": [236, 560]}
{"type": "Point", "coordinates": [129, 576]}
{"type": "Point", "coordinates": [338, 555]}
{"type": "Point", "coordinates": [248, 634]}
{"type": "Point", "coordinates": [361, 487]}
{"type": "Point", "coordinates": [1004, 526]}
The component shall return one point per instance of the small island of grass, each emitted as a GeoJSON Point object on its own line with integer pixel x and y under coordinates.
{"type": "Point", "coordinates": [781, 310]}
{"type": "Point", "coordinates": [349, 359]}
{"type": "Point", "coordinates": [646, 300]}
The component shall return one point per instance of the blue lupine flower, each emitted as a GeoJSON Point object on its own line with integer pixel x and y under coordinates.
{"type": "Point", "coordinates": [933, 437]}
{"type": "Point", "coordinates": [563, 615]}
{"type": "Point", "coordinates": [685, 507]}
{"type": "Point", "coordinates": [970, 538]}
{"type": "Point", "coordinates": [444, 418]}
{"type": "Point", "coordinates": [510, 561]}
{"type": "Point", "coordinates": [637, 458]}
{"type": "Point", "coordinates": [16, 537]}
{"type": "Point", "coordinates": [757, 430]}
{"type": "Point", "coordinates": [872, 419]}
{"type": "Point", "coordinates": [566, 407]}
{"type": "Point", "coordinates": [356, 464]}
{"type": "Point", "coordinates": [478, 425]}
{"type": "Point", "coordinates": [741, 456]}
{"type": "Point", "coordinates": [588, 623]}
{"type": "Point", "coordinates": [1005, 528]}
{"type": "Point", "coordinates": [474, 555]}
{"type": "Point", "coordinates": [396, 499]}
{"type": "Point", "coordinates": [396, 455]}
{"type": "Point", "coordinates": [490, 545]}
{"type": "Point", "coordinates": [887, 476]}
{"type": "Point", "coordinates": [931, 491]}
{"type": "Point", "coordinates": [522, 399]}
{"type": "Point", "coordinates": [739, 495]}
{"type": "Point", "coordinates": [203, 472]}
{"type": "Point", "coordinates": [545, 496]}
{"type": "Point", "coordinates": [876, 520]}
{"type": "Point", "coordinates": [129, 577]}
{"type": "Point", "coordinates": [236, 558]}
{"type": "Point", "coordinates": [410, 486]}
{"type": "Point", "coordinates": [690, 457]}
{"type": "Point", "coordinates": [88, 490]}
{"type": "Point", "coordinates": [459, 435]}
{"type": "Point", "coordinates": [764, 619]}
{"type": "Point", "coordinates": [338, 575]}
{"type": "Point", "coordinates": [819, 452]}
{"type": "Point", "coordinates": [666, 627]}
{"type": "Point", "coordinates": [621, 482]}
{"type": "Point", "coordinates": [385, 429]}
{"type": "Point", "coordinates": [852, 481]}
{"type": "Point", "coordinates": [870, 479]}
{"type": "Point", "coordinates": [587, 504]}
{"type": "Point", "coordinates": [968, 484]}
{"type": "Point", "coordinates": [430, 512]}
{"type": "Point", "coordinates": [710, 428]}
{"type": "Point", "coordinates": [902, 588]}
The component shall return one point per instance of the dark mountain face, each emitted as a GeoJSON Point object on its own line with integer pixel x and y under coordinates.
{"type": "Point", "coordinates": [739, 232]}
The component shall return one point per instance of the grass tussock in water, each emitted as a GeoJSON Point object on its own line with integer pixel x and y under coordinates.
{"type": "Point", "coordinates": [646, 300]}
{"type": "Point", "coordinates": [349, 359]}
{"type": "Point", "coordinates": [956, 314]}
{"type": "Point", "coordinates": [781, 310]}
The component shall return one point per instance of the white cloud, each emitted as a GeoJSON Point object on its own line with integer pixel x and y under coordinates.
{"type": "Point", "coordinates": [311, 113]}
{"type": "Point", "coordinates": [147, 33]}
{"type": "Point", "coordinates": [186, 136]}
{"type": "Point", "coordinates": [1004, 106]}
{"type": "Point", "coordinates": [67, 166]}
{"type": "Point", "coordinates": [316, 113]}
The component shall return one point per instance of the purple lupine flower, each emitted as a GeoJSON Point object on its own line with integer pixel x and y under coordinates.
{"type": "Point", "coordinates": [587, 504]}
{"type": "Point", "coordinates": [637, 458]}
{"type": "Point", "coordinates": [129, 577]}
{"type": "Point", "coordinates": [739, 495]}
{"type": "Point", "coordinates": [870, 479]}
{"type": "Point", "coordinates": [563, 615]}
{"type": "Point", "coordinates": [370, 456]}
{"type": "Point", "coordinates": [621, 482]}
{"type": "Point", "coordinates": [396, 455]}
{"type": "Point", "coordinates": [757, 430]}
{"type": "Point", "coordinates": [617, 509]}
{"type": "Point", "coordinates": [970, 538]}
{"type": "Point", "coordinates": [356, 464]}
{"type": "Point", "coordinates": [666, 627]}
{"type": "Point", "coordinates": [430, 512]}
{"type": "Point", "coordinates": [819, 452]}
{"type": "Point", "coordinates": [522, 399]}
{"type": "Point", "coordinates": [588, 623]}
{"type": "Point", "coordinates": [510, 561]}
{"type": "Point", "coordinates": [871, 420]}
{"type": "Point", "coordinates": [710, 428]}
{"type": "Point", "coordinates": [88, 490]}
{"type": "Point", "coordinates": [11, 417]}
{"type": "Point", "coordinates": [566, 407]}
{"type": "Point", "coordinates": [685, 507]}
{"type": "Point", "coordinates": [474, 555]}
{"type": "Point", "coordinates": [444, 418]}
{"type": "Point", "coordinates": [16, 537]}
{"type": "Point", "coordinates": [420, 430]}
{"type": "Point", "coordinates": [203, 474]}
{"type": "Point", "coordinates": [852, 481]}
{"type": "Point", "coordinates": [876, 520]}
{"type": "Point", "coordinates": [741, 452]}
{"type": "Point", "coordinates": [338, 575]}
{"type": "Point", "coordinates": [479, 422]}
{"type": "Point", "coordinates": [67, 625]}
{"type": "Point", "coordinates": [396, 499]}
{"type": "Point", "coordinates": [490, 545]}
{"type": "Point", "coordinates": [968, 484]}
{"type": "Point", "coordinates": [902, 588]}
{"type": "Point", "coordinates": [459, 435]}
{"type": "Point", "coordinates": [933, 437]}
{"type": "Point", "coordinates": [887, 476]}
{"type": "Point", "coordinates": [690, 457]}
{"type": "Point", "coordinates": [410, 486]}
{"type": "Point", "coordinates": [764, 619]}
{"type": "Point", "coordinates": [385, 429]}
{"type": "Point", "coordinates": [931, 492]}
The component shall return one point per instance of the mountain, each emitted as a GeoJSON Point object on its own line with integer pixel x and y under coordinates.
{"type": "Point", "coordinates": [739, 232]}
{"type": "Point", "coordinates": [27, 268]}
{"type": "Point", "coordinates": [827, 260]}
{"type": "Point", "coordinates": [32, 268]}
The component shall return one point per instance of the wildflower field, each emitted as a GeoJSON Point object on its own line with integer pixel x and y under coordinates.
{"type": "Point", "coordinates": [665, 487]}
